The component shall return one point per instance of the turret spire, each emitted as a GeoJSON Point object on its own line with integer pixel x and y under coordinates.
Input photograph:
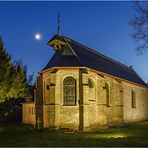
{"type": "Point", "coordinates": [58, 23]}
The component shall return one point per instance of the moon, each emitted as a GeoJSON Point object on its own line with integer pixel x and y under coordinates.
{"type": "Point", "coordinates": [38, 36]}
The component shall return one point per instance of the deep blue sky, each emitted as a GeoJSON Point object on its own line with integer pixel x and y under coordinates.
{"type": "Point", "coordinates": [100, 25]}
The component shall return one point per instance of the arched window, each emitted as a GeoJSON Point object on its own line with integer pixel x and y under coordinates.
{"type": "Point", "coordinates": [107, 86]}
{"type": "Point", "coordinates": [69, 91]}
{"type": "Point", "coordinates": [133, 97]}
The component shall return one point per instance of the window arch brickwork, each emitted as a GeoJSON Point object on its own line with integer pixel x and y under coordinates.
{"type": "Point", "coordinates": [69, 91]}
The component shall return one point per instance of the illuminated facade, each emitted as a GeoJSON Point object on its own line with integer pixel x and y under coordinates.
{"type": "Point", "coordinates": [82, 89]}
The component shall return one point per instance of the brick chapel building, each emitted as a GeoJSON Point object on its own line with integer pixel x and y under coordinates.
{"type": "Point", "coordinates": [82, 89]}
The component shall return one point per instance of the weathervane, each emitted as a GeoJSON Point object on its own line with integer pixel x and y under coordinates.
{"type": "Point", "coordinates": [58, 23]}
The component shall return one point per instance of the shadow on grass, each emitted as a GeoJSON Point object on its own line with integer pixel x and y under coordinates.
{"type": "Point", "coordinates": [14, 134]}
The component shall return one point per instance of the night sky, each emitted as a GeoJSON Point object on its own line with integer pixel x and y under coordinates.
{"type": "Point", "coordinates": [103, 26]}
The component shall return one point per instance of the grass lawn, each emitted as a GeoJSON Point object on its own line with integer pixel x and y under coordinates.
{"type": "Point", "coordinates": [22, 136]}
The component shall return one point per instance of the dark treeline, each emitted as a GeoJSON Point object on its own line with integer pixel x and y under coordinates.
{"type": "Point", "coordinates": [13, 77]}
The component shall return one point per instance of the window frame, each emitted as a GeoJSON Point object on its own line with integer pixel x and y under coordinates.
{"type": "Point", "coordinates": [64, 95]}
{"type": "Point", "coordinates": [133, 98]}
{"type": "Point", "coordinates": [108, 100]}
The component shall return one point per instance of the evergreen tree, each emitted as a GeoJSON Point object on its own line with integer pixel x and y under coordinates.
{"type": "Point", "coordinates": [19, 83]}
{"type": "Point", "coordinates": [13, 81]}
{"type": "Point", "coordinates": [5, 68]}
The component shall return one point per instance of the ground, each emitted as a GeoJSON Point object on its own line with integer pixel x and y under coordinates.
{"type": "Point", "coordinates": [22, 135]}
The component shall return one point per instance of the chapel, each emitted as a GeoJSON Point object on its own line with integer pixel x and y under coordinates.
{"type": "Point", "coordinates": [82, 89]}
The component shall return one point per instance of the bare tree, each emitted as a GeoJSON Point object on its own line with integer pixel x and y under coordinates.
{"type": "Point", "coordinates": [140, 24]}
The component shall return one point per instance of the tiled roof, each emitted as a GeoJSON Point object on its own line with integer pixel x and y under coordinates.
{"type": "Point", "coordinates": [86, 57]}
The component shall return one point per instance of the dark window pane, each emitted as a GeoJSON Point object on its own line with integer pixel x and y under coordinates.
{"type": "Point", "coordinates": [107, 94]}
{"type": "Point", "coordinates": [69, 91]}
{"type": "Point", "coordinates": [133, 95]}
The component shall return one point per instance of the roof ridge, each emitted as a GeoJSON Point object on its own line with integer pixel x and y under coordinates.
{"type": "Point", "coordinates": [94, 60]}
{"type": "Point", "coordinates": [97, 52]}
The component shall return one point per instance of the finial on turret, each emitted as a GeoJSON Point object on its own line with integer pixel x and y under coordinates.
{"type": "Point", "coordinates": [58, 23]}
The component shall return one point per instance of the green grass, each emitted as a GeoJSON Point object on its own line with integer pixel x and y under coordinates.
{"type": "Point", "coordinates": [13, 135]}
